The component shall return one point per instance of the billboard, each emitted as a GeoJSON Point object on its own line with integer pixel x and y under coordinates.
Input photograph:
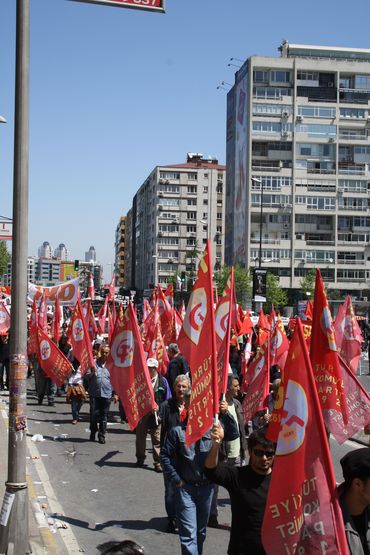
{"type": "Point", "coordinates": [240, 192]}
{"type": "Point", "coordinates": [67, 271]}
{"type": "Point", "coordinates": [259, 285]}
{"type": "Point", "coordinates": [149, 5]}
{"type": "Point", "coordinates": [6, 231]}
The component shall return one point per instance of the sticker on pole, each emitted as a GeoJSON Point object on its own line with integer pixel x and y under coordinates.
{"type": "Point", "coordinates": [148, 5]}
{"type": "Point", "coordinates": [6, 508]}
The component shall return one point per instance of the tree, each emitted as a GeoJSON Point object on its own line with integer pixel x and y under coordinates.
{"type": "Point", "coordinates": [4, 258]}
{"type": "Point", "coordinates": [307, 284]}
{"type": "Point", "coordinates": [275, 295]}
{"type": "Point", "coordinates": [242, 278]}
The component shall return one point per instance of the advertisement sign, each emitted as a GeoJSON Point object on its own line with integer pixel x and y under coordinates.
{"type": "Point", "coordinates": [6, 231]}
{"type": "Point", "coordinates": [240, 198]}
{"type": "Point", "coordinates": [67, 271]}
{"type": "Point", "coordinates": [149, 5]}
{"type": "Point", "coordinates": [66, 292]}
{"type": "Point", "coordinates": [259, 285]}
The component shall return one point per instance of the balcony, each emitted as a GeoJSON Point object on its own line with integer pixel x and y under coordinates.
{"type": "Point", "coordinates": [351, 262]}
{"type": "Point", "coordinates": [346, 168]}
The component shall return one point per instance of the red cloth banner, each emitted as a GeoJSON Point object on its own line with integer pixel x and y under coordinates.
{"type": "Point", "coordinates": [128, 370]}
{"type": "Point", "coordinates": [80, 339]}
{"type": "Point", "coordinates": [263, 328]}
{"type": "Point", "coordinates": [91, 288]}
{"type": "Point", "coordinates": [42, 319]}
{"type": "Point", "coordinates": [302, 513]}
{"type": "Point", "coordinates": [223, 329]}
{"type": "Point", "coordinates": [102, 316]}
{"type": "Point", "coordinates": [324, 357]}
{"type": "Point", "coordinates": [348, 335]}
{"type": "Point", "coordinates": [32, 346]}
{"type": "Point", "coordinates": [51, 359]}
{"type": "Point", "coordinates": [4, 319]}
{"type": "Point", "coordinates": [279, 344]}
{"type": "Point", "coordinates": [67, 292]}
{"type": "Point", "coordinates": [257, 390]}
{"type": "Point", "coordinates": [56, 321]}
{"type": "Point", "coordinates": [197, 343]}
{"type": "Point", "coordinates": [166, 315]}
{"type": "Point", "coordinates": [88, 315]}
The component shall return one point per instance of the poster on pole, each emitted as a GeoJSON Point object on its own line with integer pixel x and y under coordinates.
{"type": "Point", "coordinates": [148, 5]}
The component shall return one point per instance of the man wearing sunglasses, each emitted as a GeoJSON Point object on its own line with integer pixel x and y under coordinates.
{"type": "Point", "coordinates": [247, 486]}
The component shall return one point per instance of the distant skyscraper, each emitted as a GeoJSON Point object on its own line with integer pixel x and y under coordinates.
{"type": "Point", "coordinates": [62, 252]}
{"type": "Point", "coordinates": [90, 255]}
{"type": "Point", "coordinates": [46, 250]}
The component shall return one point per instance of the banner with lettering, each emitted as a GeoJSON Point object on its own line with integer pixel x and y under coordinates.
{"type": "Point", "coordinates": [197, 342]}
{"type": "Point", "coordinates": [128, 369]}
{"type": "Point", "coordinates": [257, 390]}
{"type": "Point", "coordinates": [66, 292]}
{"type": "Point", "coordinates": [302, 514]}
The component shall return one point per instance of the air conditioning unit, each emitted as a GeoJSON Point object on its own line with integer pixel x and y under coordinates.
{"type": "Point", "coordinates": [282, 205]}
{"type": "Point", "coordinates": [299, 118]}
{"type": "Point", "coordinates": [286, 226]}
{"type": "Point", "coordinates": [331, 85]}
{"type": "Point", "coordinates": [285, 114]}
{"type": "Point", "coordinates": [331, 139]}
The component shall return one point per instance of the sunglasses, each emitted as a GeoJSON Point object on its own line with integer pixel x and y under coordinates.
{"type": "Point", "coordinates": [261, 452]}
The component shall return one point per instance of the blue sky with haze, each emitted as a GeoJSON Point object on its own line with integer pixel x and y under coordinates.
{"type": "Point", "coordinates": [115, 92]}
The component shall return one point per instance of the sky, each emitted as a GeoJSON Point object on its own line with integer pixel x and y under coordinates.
{"type": "Point", "coordinates": [115, 92]}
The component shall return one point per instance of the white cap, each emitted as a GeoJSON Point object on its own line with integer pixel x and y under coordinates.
{"type": "Point", "coordinates": [152, 363]}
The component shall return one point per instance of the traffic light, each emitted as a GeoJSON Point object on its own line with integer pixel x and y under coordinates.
{"type": "Point", "coordinates": [77, 265]}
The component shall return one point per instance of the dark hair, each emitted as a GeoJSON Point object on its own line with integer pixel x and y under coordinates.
{"type": "Point", "coordinates": [258, 437]}
{"type": "Point", "coordinates": [127, 547]}
{"type": "Point", "coordinates": [230, 380]}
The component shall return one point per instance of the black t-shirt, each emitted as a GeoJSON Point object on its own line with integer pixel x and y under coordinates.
{"type": "Point", "coordinates": [248, 493]}
{"type": "Point", "coordinates": [360, 523]}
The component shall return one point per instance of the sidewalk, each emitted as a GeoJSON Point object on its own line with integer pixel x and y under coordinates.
{"type": "Point", "coordinates": [42, 540]}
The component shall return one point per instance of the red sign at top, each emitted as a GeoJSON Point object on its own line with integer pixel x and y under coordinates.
{"type": "Point", "coordinates": [150, 5]}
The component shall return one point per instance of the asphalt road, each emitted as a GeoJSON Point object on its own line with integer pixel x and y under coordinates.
{"type": "Point", "coordinates": [97, 489]}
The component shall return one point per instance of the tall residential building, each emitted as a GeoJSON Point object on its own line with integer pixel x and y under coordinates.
{"type": "Point", "coordinates": [298, 133]}
{"type": "Point", "coordinates": [129, 252]}
{"type": "Point", "coordinates": [62, 252]}
{"type": "Point", "coordinates": [120, 252]}
{"type": "Point", "coordinates": [173, 213]}
{"type": "Point", "coordinates": [90, 255]}
{"type": "Point", "coordinates": [6, 279]}
{"type": "Point", "coordinates": [46, 250]}
{"type": "Point", "coordinates": [47, 271]}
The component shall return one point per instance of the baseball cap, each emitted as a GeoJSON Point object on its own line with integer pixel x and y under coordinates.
{"type": "Point", "coordinates": [152, 363]}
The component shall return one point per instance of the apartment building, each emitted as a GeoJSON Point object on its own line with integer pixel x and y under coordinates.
{"type": "Point", "coordinates": [173, 213]}
{"type": "Point", "coordinates": [120, 252]}
{"type": "Point", "coordinates": [298, 165]}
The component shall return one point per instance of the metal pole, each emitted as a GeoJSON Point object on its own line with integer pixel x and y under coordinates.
{"type": "Point", "coordinates": [261, 226]}
{"type": "Point", "coordinates": [14, 529]}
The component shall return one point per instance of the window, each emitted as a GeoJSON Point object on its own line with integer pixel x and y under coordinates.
{"type": "Point", "coordinates": [192, 188]}
{"type": "Point", "coordinates": [205, 189]}
{"type": "Point", "coordinates": [191, 242]}
{"type": "Point", "coordinates": [362, 82]}
{"type": "Point", "coordinates": [192, 176]}
{"type": "Point", "coordinates": [191, 228]}
{"type": "Point", "coordinates": [168, 202]}
{"type": "Point", "coordinates": [169, 175]}
{"type": "Point", "coordinates": [356, 113]}
{"type": "Point", "coordinates": [192, 215]}
{"type": "Point", "coordinates": [192, 201]}
{"type": "Point", "coordinates": [317, 129]}
{"type": "Point", "coordinates": [277, 76]}
{"type": "Point", "coordinates": [206, 175]}
{"type": "Point", "coordinates": [260, 76]}
{"type": "Point", "coordinates": [205, 201]}
{"type": "Point", "coordinates": [219, 216]}
{"type": "Point", "coordinates": [307, 75]}
{"type": "Point", "coordinates": [168, 240]}
{"type": "Point", "coordinates": [316, 112]}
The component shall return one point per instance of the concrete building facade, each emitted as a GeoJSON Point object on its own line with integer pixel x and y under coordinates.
{"type": "Point", "coordinates": [120, 252]}
{"type": "Point", "coordinates": [298, 165]}
{"type": "Point", "coordinates": [173, 213]}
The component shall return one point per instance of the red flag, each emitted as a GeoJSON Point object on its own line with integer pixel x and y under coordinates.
{"type": "Point", "coordinates": [169, 295]}
{"type": "Point", "coordinates": [112, 288]}
{"type": "Point", "coordinates": [128, 370]}
{"type": "Point", "coordinates": [182, 310]}
{"type": "Point", "coordinates": [348, 335]}
{"type": "Point", "coordinates": [4, 319]}
{"type": "Point", "coordinates": [80, 340]}
{"type": "Point", "coordinates": [263, 327]}
{"type": "Point", "coordinates": [146, 309]}
{"type": "Point", "coordinates": [246, 355]}
{"type": "Point", "coordinates": [358, 402]}
{"type": "Point", "coordinates": [110, 325]}
{"type": "Point", "coordinates": [309, 310]}
{"type": "Point", "coordinates": [102, 316]}
{"type": "Point", "coordinates": [166, 314]}
{"type": "Point", "coordinates": [324, 357]}
{"type": "Point", "coordinates": [88, 314]}
{"type": "Point", "coordinates": [91, 288]}
{"type": "Point", "coordinates": [247, 325]}
{"type": "Point", "coordinates": [43, 317]}
{"type": "Point", "coordinates": [52, 361]}
{"type": "Point", "coordinates": [178, 324]}
{"type": "Point", "coordinates": [197, 343]}
{"type": "Point", "coordinates": [256, 397]}
{"type": "Point", "coordinates": [302, 512]}
{"type": "Point", "coordinates": [56, 320]}
{"type": "Point", "coordinates": [223, 329]}
{"type": "Point", "coordinates": [33, 343]}
{"type": "Point", "coordinates": [279, 344]}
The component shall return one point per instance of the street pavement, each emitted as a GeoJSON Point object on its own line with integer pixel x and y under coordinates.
{"type": "Point", "coordinates": [84, 495]}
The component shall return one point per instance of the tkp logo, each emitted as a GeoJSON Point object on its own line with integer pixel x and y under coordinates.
{"type": "Point", "coordinates": [2, 317]}
{"type": "Point", "coordinates": [122, 350]}
{"type": "Point", "coordinates": [221, 319]}
{"type": "Point", "coordinates": [78, 330]}
{"type": "Point", "coordinates": [196, 314]}
{"type": "Point", "coordinates": [45, 349]}
{"type": "Point", "coordinates": [327, 328]}
{"type": "Point", "coordinates": [294, 419]}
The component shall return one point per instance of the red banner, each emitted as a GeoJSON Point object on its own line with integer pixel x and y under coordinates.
{"type": "Point", "coordinates": [256, 397]}
{"type": "Point", "coordinates": [302, 512]}
{"type": "Point", "coordinates": [102, 316]}
{"type": "Point", "coordinates": [197, 342]}
{"type": "Point", "coordinates": [56, 321]}
{"type": "Point", "coordinates": [128, 370]}
{"type": "Point", "coordinates": [4, 319]}
{"type": "Point", "coordinates": [223, 328]}
{"type": "Point", "coordinates": [91, 288]}
{"type": "Point", "coordinates": [166, 315]}
{"type": "Point", "coordinates": [324, 357]}
{"type": "Point", "coordinates": [279, 344]}
{"type": "Point", "coordinates": [80, 339]}
{"type": "Point", "coordinates": [51, 359]}
{"type": "Point", "coordinates": [348, 335]}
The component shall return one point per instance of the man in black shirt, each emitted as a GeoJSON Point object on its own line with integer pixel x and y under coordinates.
{"type": "Point", "coordinates": [176, 366]}
{"type": "Point", "coordinates": [247, 486]}
{"type": "Point", "coordinates": [354, 498]}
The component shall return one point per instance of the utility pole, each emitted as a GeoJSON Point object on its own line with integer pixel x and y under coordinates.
{"type": "Point", "coordinates": [14, 537]}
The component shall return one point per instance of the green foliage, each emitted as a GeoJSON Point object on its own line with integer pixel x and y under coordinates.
{"type": "Point", "coordinates": [242, 278]}
{"type": "Point", "coordinates": [4, 258]}
{"type": "Point", "coordinates": [307, 284]}
{"type": "Point", "coordinates": [275, 295]}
